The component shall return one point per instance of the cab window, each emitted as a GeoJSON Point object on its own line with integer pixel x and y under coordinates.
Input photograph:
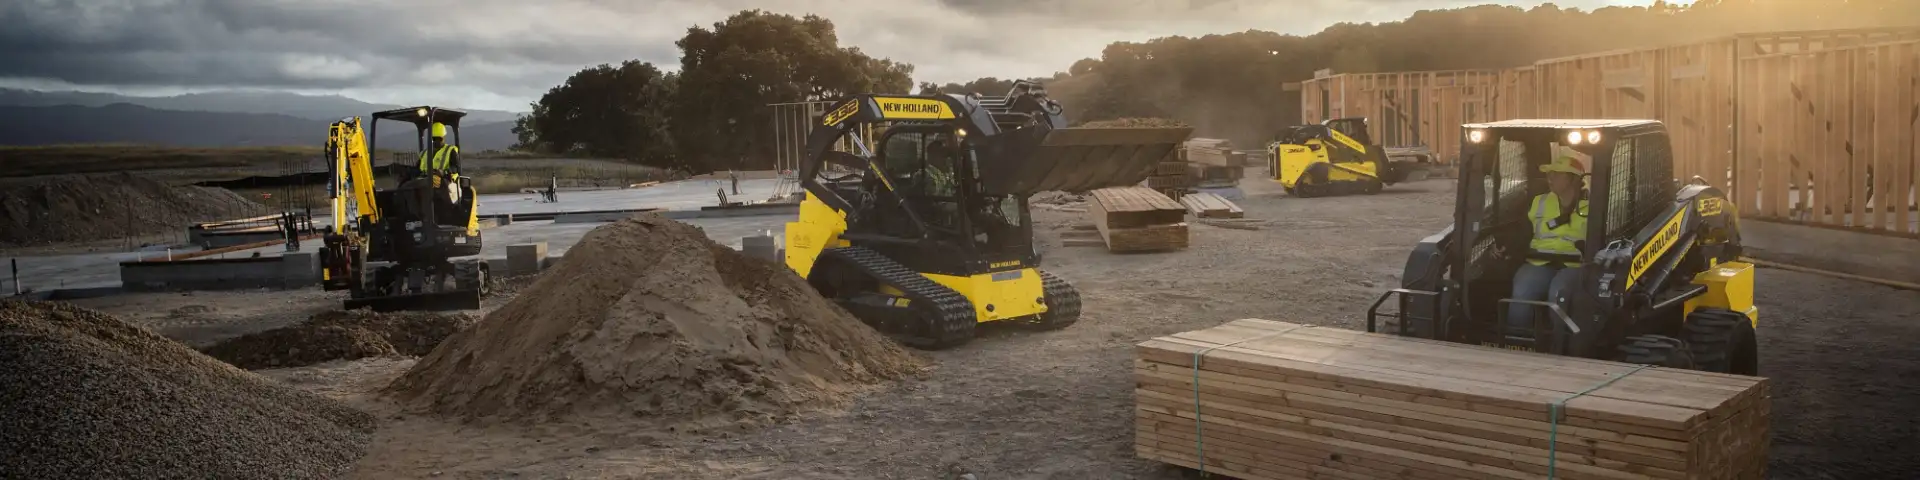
{"type": "Point", "coordinates": [1509, 192]}
{"type": "Point", "coordinates": [1355, 129]}
{"type": "Point", "coordinates": [1621, 190]}
{"type": "Point", "coordinates": [920, 166]}
{"type": "Point", "coordinates": [904, 153]}
{"type": "Point", "coordinates": [921, 163]}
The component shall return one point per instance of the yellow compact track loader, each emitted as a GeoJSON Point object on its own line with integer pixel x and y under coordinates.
{"type": "Point", "coordinates": [1659, 279]}
{"type": "Point", "coordinates": [394, 249]}
{"type": "Point", "coordinates": [928, 234]}
{"type": "Point", "coordinates": [1336, 157]}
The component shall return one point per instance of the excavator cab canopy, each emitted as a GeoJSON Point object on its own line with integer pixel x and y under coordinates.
{"type": "Point", "coordinates": [422, 119]}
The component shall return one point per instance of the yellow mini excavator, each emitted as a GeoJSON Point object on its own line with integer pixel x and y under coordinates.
{"type": "Point", "coordinates": [928, 234]}
{"type": "Point", "coordinates": [1659, 281]}
{"type": "Point", "coordinates": [394, 249]}
{"type": "Point", "coordinates": [1336, 157]}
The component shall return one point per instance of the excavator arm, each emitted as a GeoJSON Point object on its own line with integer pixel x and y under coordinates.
{"type": "Point", "coordinates": [351, 169]}
{"type": "Point", "coordinates": [350, 189]}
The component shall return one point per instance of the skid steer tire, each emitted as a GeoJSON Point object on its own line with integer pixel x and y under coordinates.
{"type": "Point", "coordinates": [1723, 341]}
{"type": "Point", "coordinates": [1657, 350]}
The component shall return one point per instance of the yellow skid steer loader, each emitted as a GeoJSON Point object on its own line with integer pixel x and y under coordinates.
{"type": "Point", "coordinates": [1336, 157]}
{"type": "Point", "coordinates": [929, 234]}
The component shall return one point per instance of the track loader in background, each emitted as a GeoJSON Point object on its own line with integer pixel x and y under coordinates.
{"type": "Point", "coordinates": [1336, 157]}
{"type": "Point", "coordinates": [1660, 281]}
{"type": "Point", "coordinates": [929, 234]}
{"type": "Point", "coordinates": [395, 249]}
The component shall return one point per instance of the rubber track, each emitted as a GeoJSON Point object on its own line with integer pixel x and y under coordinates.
{"type": "Point", "coordinates": [952, 319]}
{"type": "Point", "coordinates": [467, 275]}
{"type": "Point", "coordinates": [1063, 302]}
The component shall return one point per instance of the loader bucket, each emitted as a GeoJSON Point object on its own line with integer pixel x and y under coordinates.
{"type": "Point", "coordinates": [1031, 160]}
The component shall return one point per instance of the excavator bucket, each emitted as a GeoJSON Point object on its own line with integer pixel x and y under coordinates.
{"type": "Point", "coordinates": [1032, 160]}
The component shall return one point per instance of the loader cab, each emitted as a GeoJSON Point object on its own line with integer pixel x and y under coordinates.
{"type": "Point", "coordinates": [1629, 185]}
{"type": "Point", "coordinates": [1353, 127]}
{"type": "Point", "coordinates": [1502, 176]}
{"type": "Point", "coordinates": [931, 167]}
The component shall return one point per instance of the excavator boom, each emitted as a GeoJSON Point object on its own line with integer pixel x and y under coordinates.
{"type": "Point", "coordinates": [351, 189]}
